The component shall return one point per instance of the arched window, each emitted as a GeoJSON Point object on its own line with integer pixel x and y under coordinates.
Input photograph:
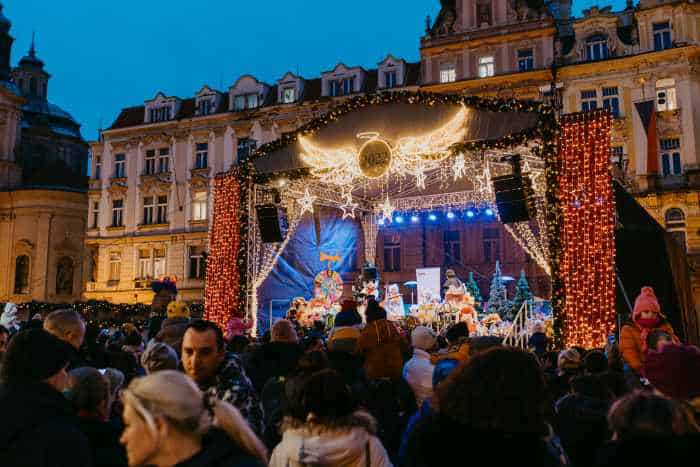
{"type": "Point", "coordinates": [675, 224]}
{"type": "Point", "coordinates": [32, 86]}
{"type": "Point", "coordinates": [64, 276]}
{"type": "Point", "coordinates": [597, 47]}
{"type": "Point", "coordinates": [22, 274]}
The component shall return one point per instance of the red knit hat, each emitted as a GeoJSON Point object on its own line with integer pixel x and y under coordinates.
{"type": "Point", "coordinates": [675, 371]}
{"type": "Point", "coordinates": [646, 302]}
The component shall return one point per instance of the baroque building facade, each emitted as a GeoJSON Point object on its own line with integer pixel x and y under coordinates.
{"type": "Point", "coordinates": [153, 168]}
{"type": "Point", "coordinates": [43, 185]}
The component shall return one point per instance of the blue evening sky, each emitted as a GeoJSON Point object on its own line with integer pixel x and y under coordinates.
{"type": "Point", "coordinates": [105, 55]}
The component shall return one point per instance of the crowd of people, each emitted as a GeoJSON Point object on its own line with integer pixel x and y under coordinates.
{"type": "Point", "coordinates": [179, 392]}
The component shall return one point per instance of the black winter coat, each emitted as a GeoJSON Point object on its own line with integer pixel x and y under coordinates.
{"type": "Point", "coordinates": [104, 442]}
{"type": "Point", "coordinates": [218, 450]}
{"type": "Point", "coordinates": [581, 423]}
{"type": "Point", "coordinates": [39, 428]}
{"type": "Point", "coordinates": [271, 360]}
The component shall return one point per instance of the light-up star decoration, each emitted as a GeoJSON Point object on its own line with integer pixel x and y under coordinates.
{"type": "Point", "coordinates": [459, 168]}
{"type": "Point", "coordinates": [348, 207]}
{"type": "Point", "coordinates": [306, 203]}
{"type": "Point", "coordinates": [387, 210]}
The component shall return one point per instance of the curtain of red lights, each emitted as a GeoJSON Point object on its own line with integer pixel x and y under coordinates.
{"type": "Point", "coordinates": [586, 203]}
{"type": "Point", "coordinates": [224, 271]}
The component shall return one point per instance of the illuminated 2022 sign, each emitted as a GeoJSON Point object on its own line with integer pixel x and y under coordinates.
{"type": "Point", "coordinates": [374, 158]}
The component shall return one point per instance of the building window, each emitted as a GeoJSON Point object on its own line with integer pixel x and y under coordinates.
{"type": "Point", "coordinates": [662, 36]}
{"type": "Point", "coordinates": [155, 209]}
{"type": "Point", "coordinates": [120, 166]}
{"type": "Point", "coordinates": [675, 224]}
{"type": "Point", "coordinates": [22, 274]}
{"type": "Point", "coordinates": [117, 213]}
{"type": "Point", "coordinates": [390, 79]}
{"type": "Point", "coordinates": [159, 262]}
{"type": "Point", "coordinates": [64, 276]}
{"type": "Point", "coordinates": [198, 263]}
{"type": "Point", "coordinates": [144, 271]}
{"type": "Point", "coordinates": [32, 86]}
{"type": "Point", "coordinates": [205, 107]}
{"type": "Point", "coordinates": [239, 103]}
{"type": "Point", "coordinates": [289, 95]}
{"type": "Point", "coordinates": [666, 95]}
{"type": "Point", "coordinates": [163, 160]}
{"type": "Point", "coordinates": [159, 114]}
{"type": "Point", "coordinates": [98, 167]}
{"type": "Point", "coordinates": [448, 73]}
{"type": "Point", "coordinates": [348, 86]}
{"type": "Point", "coordinates": [95, 214]}
{"type": "Point", "coordinates": [670, 156]}
{"type": "Point", "coordinates": [589, 100]}
{"type": "Point", "coordinates": [596, 48]}
{"type": "Point", "coordinates": [526, 61]}
{"type": "Point", "coordinates": [611, 101]}
{"type": "Point", "coordinates": [486, 67]}
{"type": "Point", "coordinates": [491, 240]}
{"type": "Point", "coordinates": [149, 167]}
{"type": "Point", "coordinates": [115, 266]}
{"type": "Point", "coordinates": [483, 12]}
{"type": "Point", "coordinates": [246, 146]}
{"type": "Point", "coordinates": [392, 254]}
{"type": "Point", "coordinates": [201, 156]}
{"type": "Point", "coordinates": [199, 206]}
{"type": "Point", "coordinates": [452, 247]}
{"type": "Point", "coordinates": [252, 101]}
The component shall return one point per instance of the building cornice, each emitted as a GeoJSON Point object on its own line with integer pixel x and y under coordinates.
{"type": "Point", "coordinates": [465, 41]}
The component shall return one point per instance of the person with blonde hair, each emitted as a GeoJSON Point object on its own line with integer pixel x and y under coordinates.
{"type": "Point", "coordinates": [170, 422]}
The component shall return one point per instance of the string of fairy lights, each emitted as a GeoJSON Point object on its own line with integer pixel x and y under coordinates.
{"type": "Point", "coordinates": [573, 240]}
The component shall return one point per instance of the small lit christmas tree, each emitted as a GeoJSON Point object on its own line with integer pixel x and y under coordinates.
{"type": "Point", "coordinates": [522, 293]}
{"type": "Point", "coordinates": [498, 295]}
{"type": "Point", "coordinates": [473, 289]}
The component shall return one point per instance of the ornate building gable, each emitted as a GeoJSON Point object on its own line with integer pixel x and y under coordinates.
{"type": "Point", "coordinates": [391, 72]}
{"type": "Point", "coordinates": [598, 36]}
{"type": "Point", "coordinates": [248, 93]}
{"type": "Point", "coordinates": [290, 89]}
{"type": "Point", "coordinates": [342, 80]}
{"type": "Point", "coordinates": [207, 101]}
{"type": "Point", "coordinates": [161, 108]}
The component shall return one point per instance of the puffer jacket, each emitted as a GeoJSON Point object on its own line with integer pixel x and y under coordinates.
{"type": "Point", "coordinates": [383, 348]}
{"type": "Point", "coordinates": [631, 344]}
{"type": "Point", "coordinates": [351, 446]}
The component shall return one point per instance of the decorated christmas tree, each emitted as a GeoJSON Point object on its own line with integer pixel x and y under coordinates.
{"type": "Point", "coordinates": [473, 289]}
{"type": "Point", "coordinates": [522, 293]}
{"type": "Point", "coordinates": [498, 296]}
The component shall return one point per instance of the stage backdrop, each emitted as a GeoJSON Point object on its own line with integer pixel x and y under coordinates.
{"type": "Point", "coordinates": [293, 275]}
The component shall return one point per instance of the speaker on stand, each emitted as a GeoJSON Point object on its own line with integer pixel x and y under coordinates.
{"type": "Point", "coordinates": [272, 222]}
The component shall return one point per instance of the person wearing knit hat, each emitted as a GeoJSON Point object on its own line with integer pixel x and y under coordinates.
{"type": "Point", "coordinates": [277, 358]}
{"type": "Point", "coordinates": [38, 426]}
{"type": "Point", "coordinates": [173, 328]}
{"type": "Point", "coordinates": [675, 372]}
{"type": "Point", "coordinates": [418, 371]}
{"type": "Point", "coordinates": [646, 317]}
{"type": "Point", "coordinates": [346, 329]}
{"type": "Point", "coordinates": [159, 356]}
{"type": "Point", "coordinates": [178, 310]}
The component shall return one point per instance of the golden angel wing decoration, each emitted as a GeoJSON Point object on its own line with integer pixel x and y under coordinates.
{"type": "Point", "coordinates": [330, 165]}
{"type": "Point", "coordinates": [432, 146]}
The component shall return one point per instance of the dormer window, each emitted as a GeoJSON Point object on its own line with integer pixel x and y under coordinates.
{"type": "Point", "coordinates": [245, 102]}
{"type": "Point", "coordinates": [342, 87]}
{"type": "Point", "coordinates": [159, 114]}
{"type": "Point", "coordinates": [390, 79]}
{"type": "Point", "coordinates": [289, 95]}
{"type": "Point", "coordinates": [205, 107]}
{"type": "Point", "coordinates": [596, 48]}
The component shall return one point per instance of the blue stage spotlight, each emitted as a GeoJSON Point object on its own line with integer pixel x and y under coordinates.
{"type": "Point", "coordinates": [489, 212]}
{"type": "Point", "coordinates": [398, 219]}
{"type": "Point", "coordinates": [432, 217]}
{"type": "Point", "coordinates": [415, 219]}
{"type": "Point", "coordinates": [450, 215]}
{"type": "Point", "coordinates": [470, 214]}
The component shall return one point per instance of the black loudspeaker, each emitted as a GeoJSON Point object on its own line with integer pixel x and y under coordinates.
{"type": "Point", "coordinates": [514, 198]}
{"type": "Point", "coordinates": [272, 221]}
